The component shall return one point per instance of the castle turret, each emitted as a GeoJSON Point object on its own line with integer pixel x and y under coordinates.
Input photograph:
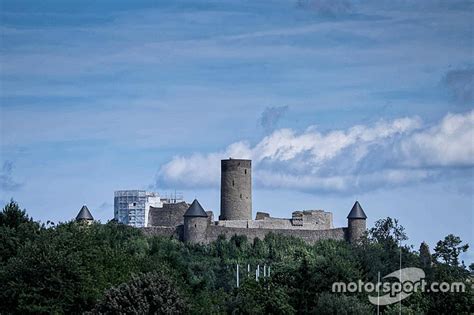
{"type": "Point", "coordinates": [356, 223]}
{"type": "Point", "coordinates": [195, 223]}
{"type": "Point", "coordinates": [84, 215]}
{"type": "Point", "coordinates": [236, 189]}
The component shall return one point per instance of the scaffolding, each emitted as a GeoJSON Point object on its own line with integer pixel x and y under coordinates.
{"type": "Point", "coordinates": [173, 197]}
{"type": "Point", "coordinates": [131, 206]}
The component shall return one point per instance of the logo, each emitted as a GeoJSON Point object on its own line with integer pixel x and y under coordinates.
{"type": "Point", "coordinates": [397, 286]}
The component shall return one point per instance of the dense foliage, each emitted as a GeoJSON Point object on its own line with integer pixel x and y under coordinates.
{"type": "Point", "coordinates": [109, 268]}
{"type": "Point", "coordinates": [148, 293]}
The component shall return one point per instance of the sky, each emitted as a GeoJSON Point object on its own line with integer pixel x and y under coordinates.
{"type": "Point", "coordinates": [334, 101]}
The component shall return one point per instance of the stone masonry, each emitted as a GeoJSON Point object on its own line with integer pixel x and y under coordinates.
{"type": "Point", "coordinates": [236, 189]}
{"type": "Point", "coordinates": [191, 223]}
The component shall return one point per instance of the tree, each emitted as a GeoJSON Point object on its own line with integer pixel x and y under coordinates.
{"type": "Point", "coordinates": [425, 255]}
{"type": "Point", "coordinates": [149, 293]}
{"type": "Point", "coordinates": [12, 216]}
{"type": "Point", "coordinates": [381, 250]}
{"type": "Point", "coordinates": [16, 228]}
{"type": "Point", "coordinates": [259, 298]}
{"type": "Point", "coordinates": [333, 303]}
{"type": "Point", "coordinates": [449, 270]}
{"type": "Point", "coordinates": [449, 250]}
{"type": "Point", "coordinates": [68, 267]}
{"type": "Point", "coordinates": [388, 232]}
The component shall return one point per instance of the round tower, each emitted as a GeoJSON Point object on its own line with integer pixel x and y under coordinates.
{"type": "Point", "coordinates": [84, 216]}
{"type": "Point", "coordinates": [236, 189]}
{"type": "Point", "coordinates": [356, 223]}
{"type": "Point", "coordinates": [195, 224]}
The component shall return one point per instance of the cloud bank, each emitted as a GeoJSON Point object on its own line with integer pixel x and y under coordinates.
{"type": "Point", "coordinates": [449, 143]}
{"type": "Point", "coordinates": [360, 158]}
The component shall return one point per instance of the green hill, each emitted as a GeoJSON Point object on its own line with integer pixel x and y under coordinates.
{"type": "Point", "coordinates": [72, 268]}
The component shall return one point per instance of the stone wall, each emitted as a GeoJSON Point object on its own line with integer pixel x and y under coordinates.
{"type": "Point", "coordinates": [212, 232]}
{"type": "Point", "coordinates": [171, 214]}
{"type": "Point", "coordinates": [309, 236]}
{"type": "Point", "coordinates": [356, 229]}
{"type": "Point", "coordinates": [314, 219]}
{"type": "Point", "coordinates": [195, 229]}
{"type": "Point", "coordinates": [301, 220]}
{"type": "Point", "coordinates": [172, 232]}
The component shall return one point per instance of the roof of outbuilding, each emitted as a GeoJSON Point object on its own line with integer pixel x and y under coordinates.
{"type": "Point", "coordinates": [195, 210]}
{"type": "Point", "coordinates": [357, 212]}
{"type": "Point", "coordinates": [84, 214]}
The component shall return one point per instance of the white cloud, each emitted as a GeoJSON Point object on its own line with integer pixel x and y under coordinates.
{"type": "Point", "coordinates": [389, 153]}
{"type": "Point", "coordinates": [201, 170]}
{"type": "Point", "coordinates": [449, 143]}
{"type": "Point", "coordinates": [286, 145]}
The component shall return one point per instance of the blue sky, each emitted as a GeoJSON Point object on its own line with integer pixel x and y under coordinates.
{"type": "Point", "coordinates": [333, 100]}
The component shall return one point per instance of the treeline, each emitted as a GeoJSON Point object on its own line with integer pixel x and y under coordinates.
{"type": "Point", "coordinates": [72, 268]}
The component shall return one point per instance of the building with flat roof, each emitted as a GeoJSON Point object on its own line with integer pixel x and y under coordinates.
{"type": "Point", "coordinates": [132, 207]}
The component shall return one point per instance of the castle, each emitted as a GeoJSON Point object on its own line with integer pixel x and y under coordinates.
{"type": "Point", "coordinates": [191, 223]}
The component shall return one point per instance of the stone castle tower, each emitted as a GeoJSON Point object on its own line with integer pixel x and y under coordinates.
{"type": "Point", "coordinates": [84, 216]}
{"type": "Point", "coordinates": [356, 223]}
{"type": "Point", "coordinates": [236, 189]}
{"type": "Point", "coordinates": [195, 223]}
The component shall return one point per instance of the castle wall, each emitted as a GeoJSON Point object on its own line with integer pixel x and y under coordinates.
{"type": "Point", "coordinates": [319, 219]}
{"type": "Point", "coordinates": [171, 214]}
{"type": "Point", "coordinates": [301, 220]}
{"type": "Point", "coordinates": [236, 190]}
{"type": "Point", "coordinates": [172, 232]}
{"type": "Point", "coordinates": [210, 233]}
{"type": "Point", "coordinates": [309, 236]}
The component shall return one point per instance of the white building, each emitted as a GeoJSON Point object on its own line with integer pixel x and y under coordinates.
{"type": "Point", "coordinates": [131, 207]}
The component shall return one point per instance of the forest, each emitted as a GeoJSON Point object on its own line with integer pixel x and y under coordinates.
{"type": "Point", "coordinates": [74, 268]}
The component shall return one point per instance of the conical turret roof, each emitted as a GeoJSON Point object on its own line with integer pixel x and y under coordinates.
{"type": "Point", "coordinates": [84, 214]}
{"type": "Point", "coordinates": [195, 210]}
{"type": "Point", "coordinates": [357, 212]}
